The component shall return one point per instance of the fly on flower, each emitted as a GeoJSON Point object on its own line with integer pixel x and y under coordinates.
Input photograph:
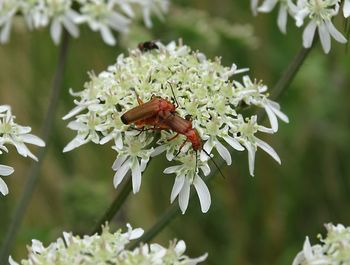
{"type": "Point", "coordinates": [147, 46]}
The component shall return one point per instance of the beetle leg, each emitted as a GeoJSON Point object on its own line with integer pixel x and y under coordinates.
{"type": "Point", "coordinates": [139, 100]}
{"type": "Point", "coordinates": [181, 146]}
{"type": "Point", "coordinates": [172, 138]}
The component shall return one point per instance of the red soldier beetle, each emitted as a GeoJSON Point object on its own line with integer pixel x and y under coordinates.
{"type": "Point", "coordinates": [149, 112]}
{"type": "Point", "coordinates": [161, 114]}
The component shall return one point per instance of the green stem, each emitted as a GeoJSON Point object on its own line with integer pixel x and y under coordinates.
{"type": "Point", "coordinates": [33, 174]}
{"type": "Point", "coordinates": [289, 74]}
{"type": "Point", "coordinates": [173, 211]}
{"type": "Point", "coordinates": [115, 206]}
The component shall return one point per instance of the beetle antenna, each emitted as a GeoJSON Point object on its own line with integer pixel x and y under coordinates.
{"type": "Point", "coordinates": [216, 165]}
{"type": "Point", "coordinates": [172, 90]}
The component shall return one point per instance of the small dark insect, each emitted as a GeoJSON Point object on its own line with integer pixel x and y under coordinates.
{"type": "Point", "coordinates": [147, 46]}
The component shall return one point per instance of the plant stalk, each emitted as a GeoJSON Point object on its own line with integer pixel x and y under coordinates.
{"type": "Point", "coordinates": [33, 174]}
{"type": "Point", "coordinates": [115, 206]}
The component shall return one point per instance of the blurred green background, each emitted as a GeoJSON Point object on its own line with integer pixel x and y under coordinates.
{"type": "Point", "coordinates": [260, 220]}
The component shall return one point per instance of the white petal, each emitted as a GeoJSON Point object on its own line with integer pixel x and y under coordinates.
{"type": "Point", "coordinates": [32, 139]}
{"type": "Point", "coordinates": [107, 36]}
{"type": "Point", "coordinates": [5, 32]}
{"type": "Point", "coordinates": [12, 262]}
{"type": "Point", "coordinates": [254, 6]}
{"type": "Point", "coordinates": [203, 193]}
{"type": "Point", "coordinates": [118, 22]}
{"type": "Point", "coordinates": [180, 248]}
{"type": "Point", "coordinates": [127, 9]}
{"type": "Point", "coordinates": [299, 259]}
{"type": "Point", "coordinates": [73, 112]}
{"type": "Point", "coordinates": [4, 108]}
{"type": "Point", "coordinates": [178, 184]}
{"type": "Point", "coordinates": [205, 169]}
{"type": "Point", "coordinates": [335, 33]}
{"type": "Point", "coordinates": [308, 34]}
{"type": "Point", "coordinates": [172, 169]}
{"type": "Point", "coordinates": [251, 157]}
{"type": "Point", "coordinates": [158, 150]}
{"type": "Point", "coordinates": [56, 31]}
{"type": "Point", "coordinates": [107, 138]}
{"type": "Point", "coordinates": [346, 8]}
{"type": "Point", "coordinates": [268, 149]}
{"type": "Point", "coordinates": [208, 146]}
{"type": "Point", "coordinates": [118, 162]}
{"type": "Point", "coordinates": [307, 249]}
{"type": "Point", "coordinates": [144, 163]}
{"type": "Point", "coordinates": [120, 173]}
{"type": "Point", "coordinates": [282, 18]}
{"type": "Point", "coordinates": [136, 175]}
{"type": "Point", "coordinates": [272, 118]}
{"type": "Point", "coordinates": [267, 6]}
{"type": "Point", "coordinates": [184, 196]}
{"type": "Point", "coordinates": [233, 143]}
{"type": "Point", "coordinates": [70, 27]}
{"type": "Point", "coordinates": [76, 142]}
{"type": "Point", "coordinates": [3, 187]}
{"type": "Point", "coordinates": [195, 261]}
{"type": "Point", "coordinates": [6, 170]}
{"type": "Point", "coordinates": [324, 37]}
{"type": "Point", "coordinates": [147, 17]}
{"type": "Point", "coordinates": [275, 108]}
{"type": "Point", "coordinates": [136, 233]}
{"type": "Point", "coordinates": [223, 152]}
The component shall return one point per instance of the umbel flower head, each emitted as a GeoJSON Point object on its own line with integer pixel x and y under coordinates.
{"type": "Point", "coordinates": [203, 89]}
{"type": "Point", "coordinates": [107, 248]}
{"type": "Point", "coordinates": [13, 134]}
{"type": "Point", "coordinates": [318, 14]}
{"type": "Point", "coordinates": [100, 15]}
{"type": "Point", "coordinates": [333, 250]}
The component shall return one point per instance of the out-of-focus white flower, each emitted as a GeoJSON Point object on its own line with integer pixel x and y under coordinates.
{"type": "Point", "coordinates": [17, 135]}
{"type": "Point", "coordinates": [286, 6]}
{"type": "Point", "coordinates": [35, 13]}
{"type": "Point", "coordinates": [320, 13]}
{"type": "Point", "coordinates": [100, 15]}
{"type": "Point", "coordinates": [204, 89]}
{"type": "Point", "coordinates": [62, 16]}
{"type": "Point", "coordinates": [158, 7]}
{"type": "Point", "coordinates": [107, 248]}
{"type": "Point", "coordinates": [333, 250]}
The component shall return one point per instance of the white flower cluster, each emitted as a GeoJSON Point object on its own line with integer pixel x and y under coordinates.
{"type": "Point", "coordinates": [334, 250]}
{"type": "Point", "coordinates": [203, 89]}
{"type": "Point", "coordinates": [315, 14]}
{"type": "Point", "coordinates": [101, 15]}
{"type": "Point", "coordinates": [13, 134]}
{"type": "Point", "coordinates": [107, 248]}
